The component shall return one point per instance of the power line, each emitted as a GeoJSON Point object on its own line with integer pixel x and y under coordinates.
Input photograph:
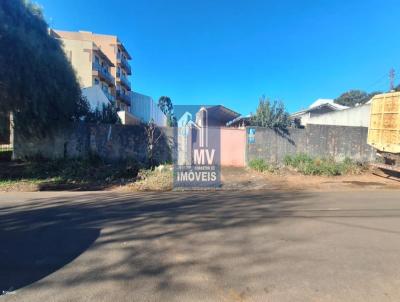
{"type": "Point", "coordinates": [391, 77]}
{"type": "Point", "coordinates": [377, 82]}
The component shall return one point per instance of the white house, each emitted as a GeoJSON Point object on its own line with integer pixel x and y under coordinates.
{"type": "Point", "coordinates": [317, 109]}
{"type": "Point", "coordinates": [95, 97]}
{"type": "Point", "coordinates": [324, 112]}
{"type": "Point", "coordinates": [358, 116]}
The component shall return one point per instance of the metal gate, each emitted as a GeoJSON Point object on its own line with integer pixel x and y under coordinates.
{"type": "Point", "coordinates": [233, 147]}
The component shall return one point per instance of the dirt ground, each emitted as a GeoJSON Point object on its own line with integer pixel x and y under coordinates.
{"type": "Point", "coordinates": [233, 179]}
{"type": "Point", "coordinates": [246, 179]}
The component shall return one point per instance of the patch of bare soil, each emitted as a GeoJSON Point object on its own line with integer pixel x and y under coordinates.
{"type": "Point", "coordinates": [285, 179]}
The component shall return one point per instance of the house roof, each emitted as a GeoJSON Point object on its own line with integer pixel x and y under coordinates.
{"type": "Point", "coordinates": [327, 102]}
{"type": "Point", "coordinates": [224, 114]}
{"type": "Point", "coordinates": [239, 119]}
{"type": "Point", "coordinates": [320, 103]}
{"type": "Point", "coordinates": [180, 110]}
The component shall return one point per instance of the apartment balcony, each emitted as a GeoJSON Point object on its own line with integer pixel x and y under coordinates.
{"type": "Point", "coordinates": [103, 73]}
{"type": "Point", "coordinates": [123, 80]}
{"type": "Point", "coordinates": [124, 63]}
{"type": "Point", "coordinates": [109, 96]}
{"type": "Point", "coordinates": [125, 97]}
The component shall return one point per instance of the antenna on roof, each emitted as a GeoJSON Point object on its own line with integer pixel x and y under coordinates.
{"type": "Point", "coordinates": [392, 76]}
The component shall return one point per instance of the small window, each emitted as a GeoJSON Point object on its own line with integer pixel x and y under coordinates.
{"type": "Point", "coordinates": [96, 81]}
{"type": "Point", "coordinates": [96, 59]}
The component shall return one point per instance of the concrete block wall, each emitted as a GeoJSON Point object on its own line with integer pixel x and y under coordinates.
{"type": "Point", "coordinates": [338, 142]}
{"type": "Point", "coordinates": [110, 142]}
{"type": "Point", "coordinates": [116, 142]}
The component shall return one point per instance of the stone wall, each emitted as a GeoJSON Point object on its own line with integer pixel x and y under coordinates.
{"type": "Point", "coordinates": [338, 142]}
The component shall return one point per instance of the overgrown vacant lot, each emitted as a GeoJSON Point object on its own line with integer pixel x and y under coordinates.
{"type": "Point", "coordinates": [66, 174]}
{"type": "Point", "coordinates": [300, 173]}
{"type": "Point", "coordinates": [308, 165]}
{"type": "Point", "coordinates": [78, 174]}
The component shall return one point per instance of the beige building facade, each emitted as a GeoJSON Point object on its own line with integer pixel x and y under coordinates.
{"type": "Point", "coordinates": [100, 60]}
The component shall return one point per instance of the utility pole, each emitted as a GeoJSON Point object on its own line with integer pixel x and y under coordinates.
{"type": "Point", "coordinates": [392, 76]}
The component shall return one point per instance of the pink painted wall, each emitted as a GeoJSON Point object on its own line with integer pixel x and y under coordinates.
{"type": "Point", "coordinates": [233, 146]}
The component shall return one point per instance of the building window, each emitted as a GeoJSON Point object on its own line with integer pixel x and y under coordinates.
{"type": "Point", "coordinates": [96, 59]}
{"type": "Point", "coordinates": [96, 81]}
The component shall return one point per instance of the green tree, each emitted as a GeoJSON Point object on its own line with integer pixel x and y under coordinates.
{"type": "Point", "coordinates": [106, 115]}
{"type": "Point", "coordinates": [271, 114]}
{"type": "Point", "coordinates": [37, 83]}
{"type": "Point", "coordinates": [397, 88]}
{"type": "Point", "coordinates": [352, 98]}
{"type": "Point", "coordinates": [166, 106]}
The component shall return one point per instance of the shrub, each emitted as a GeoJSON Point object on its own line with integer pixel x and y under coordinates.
{"type": "Point", "coordinates": [308, 165]}
{"type": "Point", "coordinates": [271, 114]}
{"type": "Point", "coordinates": [260, 165]}
{"type": "Point", "coordinates": [297, 160]}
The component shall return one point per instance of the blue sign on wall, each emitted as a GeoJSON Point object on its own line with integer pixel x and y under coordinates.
{"type": "Point", "coordinates": [251, 135]}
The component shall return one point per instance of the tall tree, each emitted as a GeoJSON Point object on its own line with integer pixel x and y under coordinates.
{"type": "Point", "coordinates": [271, 114]}
{"type": "Point", "coordinates": [352, 98]}
{"type": "Point", "coordinates": [37, 83]}
{"type": "Point", "coordinates": [166, 106]}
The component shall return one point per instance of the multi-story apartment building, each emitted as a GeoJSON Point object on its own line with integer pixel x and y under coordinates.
{"type": "Point", "coordinates": [100, 60]}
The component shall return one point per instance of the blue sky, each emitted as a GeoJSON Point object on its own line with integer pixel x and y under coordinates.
{"type": "Point", "coordinates": [231, 52]}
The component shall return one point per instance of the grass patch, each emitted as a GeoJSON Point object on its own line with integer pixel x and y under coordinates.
{"type": "Point", "coordinates": [308, 165]}
{"type": "Point", "coordinates": [67, 173]}
{"type": "Point", "coordinates": [261, 165]}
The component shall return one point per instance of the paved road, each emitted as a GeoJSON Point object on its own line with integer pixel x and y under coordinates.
{"type": "Point", "coordinates": [258, 246]}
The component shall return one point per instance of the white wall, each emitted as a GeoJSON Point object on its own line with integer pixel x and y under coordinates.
{"type": "Point", "coordinates": [144, 108]}
{"type": "Point", "coordinates": [356, 117]}
{"type": "Point", "coordinates": [127, 118]}
{"type": "Point", "coordinates": [95, 97]}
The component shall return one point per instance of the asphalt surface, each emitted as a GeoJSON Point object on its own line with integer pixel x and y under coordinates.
{"type": "Point", "coordinates": [214, 246]}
